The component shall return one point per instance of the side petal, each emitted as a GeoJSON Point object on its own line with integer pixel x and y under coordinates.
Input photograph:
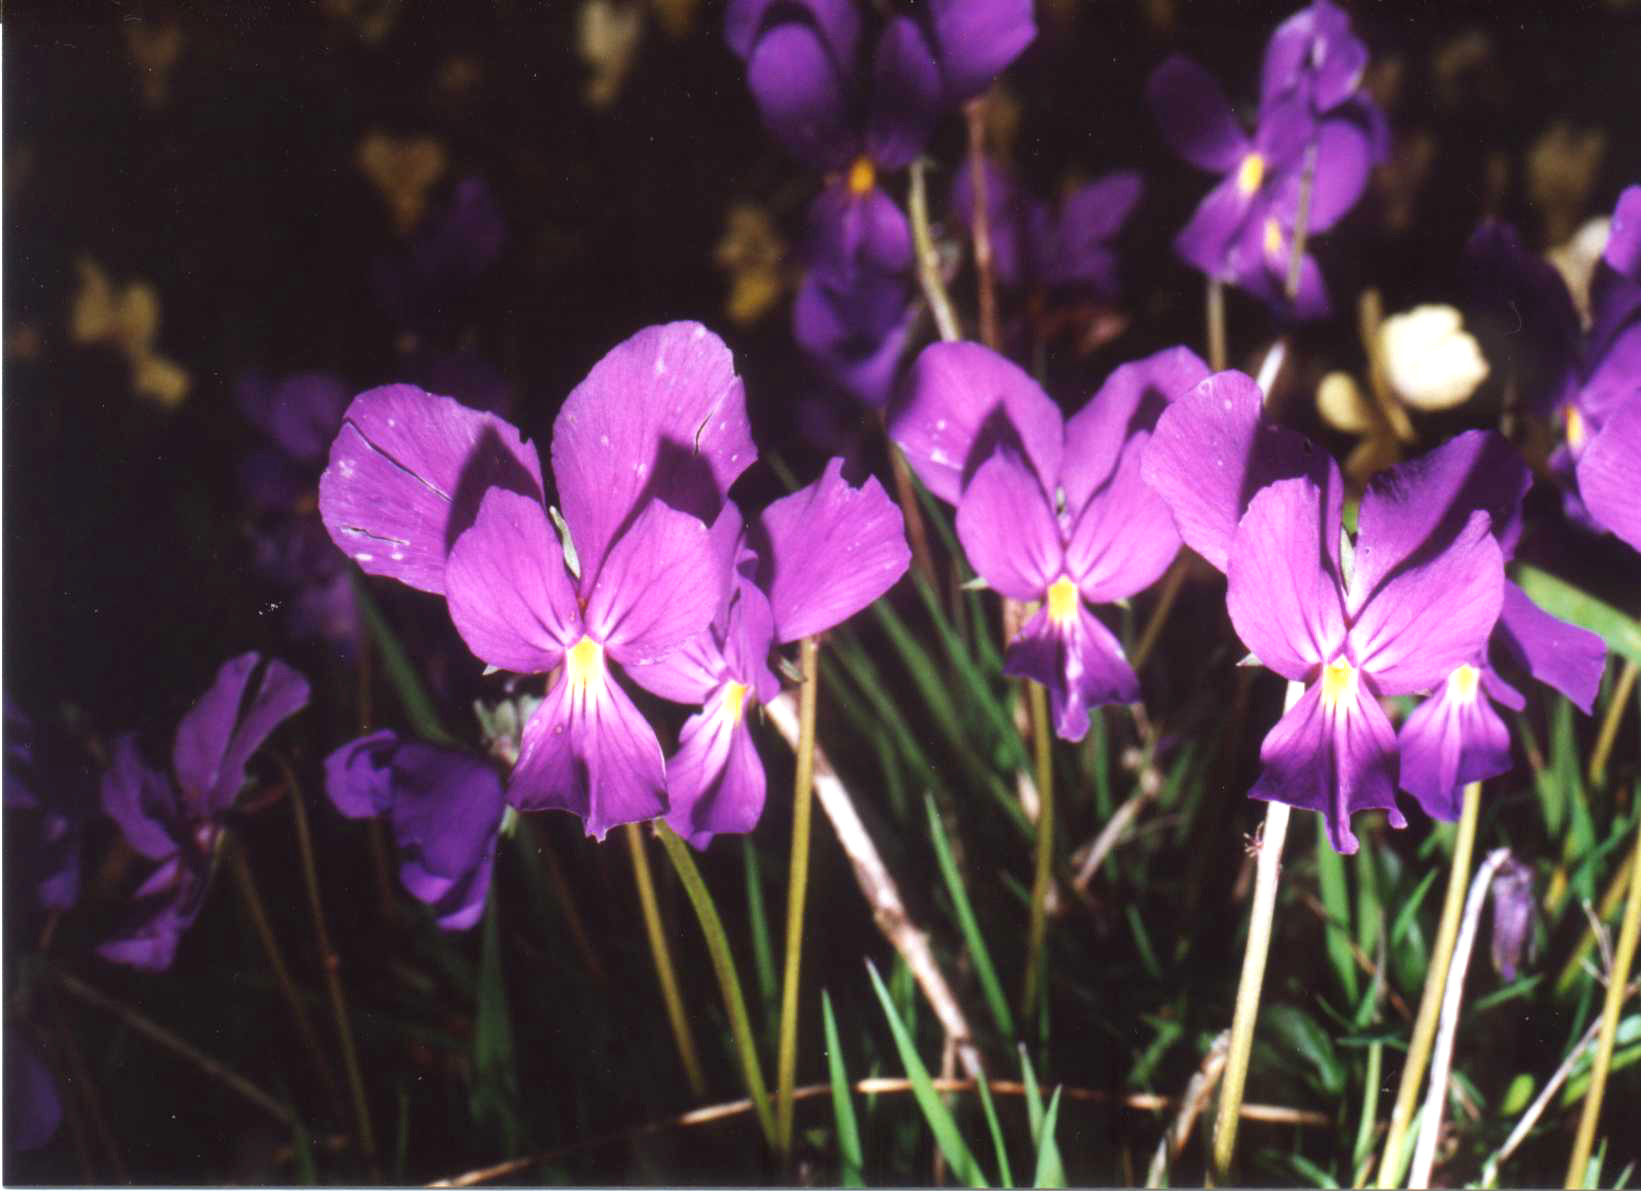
{"type": "Point", "coordinates": [1132, 397]}
{"type": "Point", "coordinates": [715, 779]}
{"type": "Point", "coordinates": [958, 404]}
{"type": "Point", "coordinates": [906, 95]}
{"type": "Point", "coordinates": [837, 20]}
{"type": "Point", "coordinates": [1008, 528]}
{"type": "Point", "coordinates": [510, 597]}
{"type": "Point", "coordinates": [661, 416]}
{"type": "Point", "coordinates": [141, 802]}
{"type": "Point", "coordinates": [660, 584]}
{"type": "Point", "coordinates": [976, 41]}
{"type": "Point", "coordinates": [1433, 615]}
{"type": "Point", "coordinates": [1623, 251]}
{"type": "Point", "coordinates": [848, 232]}
{"type": "Point", "coordinates": [799, 87]}
{"type": "Point", "coordinates": [587, 750]}
{"type": "Point", "coordinates": [1208, 241]}
{"type": "Point", "coordinates": [447, 808]}
{"type": "Point", "coordinates": [1556, 653]}
{"type": "Point", "coordinates": [1609, 473]}
{"type": "Point", "coordinates": [1080, 663]}
{"type": "Point", "coordinates": [215, 740]}
{"type": "Point", "coordinates": [1124, 537]}
{"type": "Point", "coordinates": [1448, 741]}
{"type": "Point", "coordinates": [1195, 117]}
{"type": "Point", "coordinates": [1283, 595]}
{"type": "Point", "coordinates": [359, 775]}
{"type": "Point", "coordinates": [406, 474]}
{"type": "Point", "coordinates": [827, 551]}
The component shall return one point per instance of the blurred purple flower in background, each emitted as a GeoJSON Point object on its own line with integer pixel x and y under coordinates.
{"type": "Point", "coordinates": [33, 1109]}
{"type": "Point", "coordinates": [855, 332]}
{"type": "Point", "coordinates": [51, 799]}
{"type": "Point", "coordinates": [176, 821]}
{"type": "Point", "coordinates": [445, 808]}
{"type": "Point", "coordinates": [441, 261]}
{"type": "Point", "coordinates": [1048, 510]}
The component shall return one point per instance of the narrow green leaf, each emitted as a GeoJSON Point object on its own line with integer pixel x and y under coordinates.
{"type": "Point", "coordinates": [939, 1118]}
{"type": "Point", "coordinates": [992, 702]}
{"type": "Point", "coordinates": [1310, 1170]}
{"type": "Point", "coordinates": [1370, 910]}
{"type": "Point", "coordinates": [1560, 598]}
{"type": "Point", "coordinates": [763, 958]}
{"type": "Point", "coordinates": [1142, 941]}
{"type": "Point", "coordinates": [1366, 1128]}
{"type": "Point", "coordinates": [1404, 916]}
{"type": "Point", "coordinates": [1041, 1136]}
{"type": "Point", "coordinates": [494, 1099]}
{"type": "Point", "coordinates": [995, 1000]}
{"type": "Point", "coordinates": [1330, 873]}
{"type": "Point", "coordinates": [1006, 1175]}
{"type": "Point", "coordinates": [843, 1108]}
{"type": "Point", "coordinates": [307, 1172]}
{"type": "Point", "coordinates": [1291, 1031]}
{"type": "Point", "coordinates": [401, 675]}
{"type": "Point", "coordinates": [1050, 1171]}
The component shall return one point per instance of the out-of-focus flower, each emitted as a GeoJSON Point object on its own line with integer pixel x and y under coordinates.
{"type": "Point", "coordinates": [1512, 897]}
{"type": "Point", "coordinates": [154, 48]}
{"type": "Point", "coordinates": [449, 500]}
{"type": "Point", "coordinates": [855, 330]}
{"type": "Point", "coordinates": [445, 808]}
{"type": "Point", "coordinates": [127, 319]}
{"type": "Point", "coordinates": [403, 170]}
{"type": "Point", "coordinates": [53, 797]}
{"type": "Point", "coordinates": [1562, 166]}
{"type": "Point", "coordinates": [177, 821]}
{"type": "Point", "coordinates": [1576, 259]}
{"type": "Point", "coordinates": [1430, 362]}
{"type": "Point", "coordinates": [33, 1109]}
{"type": "Point", "coordinates": [607, 35]}
{"type": "Point", "coordinates": [1048, 510]}
{"type": "Point", "coordinates": [450, 249]}
{"type": "Point", "coordinates": [753, 254]}
{"type": "Point", "coordinates": [370, 20]}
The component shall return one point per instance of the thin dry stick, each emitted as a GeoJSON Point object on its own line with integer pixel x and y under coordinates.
{"type": "Point", "coordinates": [1107, 839]}
{"type": "Point", "coordinates": [561, 889]}
{"type": "Point", "coordinates": [682, 1035]}
{"type": "Point", "coordinates": [1197, 1094]}
{"type": "Point", "coordinates": [81, 1075]}
{"type": "Point", "coordinates": [1370, 316]}
{"type": "Point", "coordinates": [1216, 325]}
{"type": "Point", "coordinates": [882, 894]}
{"type": "Point", "coordinates": [74, 986]}
{"type": "Point", "coordinates": [1609, 723]}
{"type": "Point", "coordinates": [1166, 595]}
{"type": "Point", "coordinates": [282, 974]}
{"type": "Point", "coordinates": [1609, 906]}
{"type": "Point", "coordinates": [1301, 226]}
{"type": "Point", "coordinates": [332, 964]}
{"type": "Point", "coordinates": [975, 111]}
{"type": "Point", "coordinates": [1430, 1126]}
{"type": "Point", "coordinates": [917, 534]}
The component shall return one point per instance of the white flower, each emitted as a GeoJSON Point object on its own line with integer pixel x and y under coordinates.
{"type": "Point", "coordinates": [1429, 359]}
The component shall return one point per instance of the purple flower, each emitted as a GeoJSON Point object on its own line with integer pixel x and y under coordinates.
{"type": "Point", "coordinates": [177, 821]}
{"type": "Point", "coordinates": [1512, 896]}
{"type": "Point", "coordinates": [445, 807]}
{"type": "Point", "coordinates": [33, 1109]}
{"type": "Point", "coordinates": [1063, 245]}
{"type": "Point", "coordinates": [1311, 117]}
{"type": "Point", "coordinates": [446, 254]}
{"type": "Point", "coordinates": [854, 331]}
{"type": "Point", "coordinates": [53, 798]}
{"type": "Point", "coordinates": [810, 561]}
{"type": "Point", "coordinates": [450, 500]}
{"type": "Point", "coordinates": [1048, 510]}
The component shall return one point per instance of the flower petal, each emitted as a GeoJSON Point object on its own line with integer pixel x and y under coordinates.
{"type": "Point", "coordinates": [1284, 595]}
{"type": "Point", "coordinates": [962, 400]}
{"type": "Point", "coordinates": [510, 597]}
{"type": "Point", "coordinates": [976, 41]}
{"type": "Point", "coordinates": [1334, 760]}
{"type": "Point", "coordinates": [1527, 303]}
{"type": "Point", "coordinates": [849, 232]}
{"type": "Point", "coordinates": [406, 474]}
{"type": "Point", "coordinates": [1080, 663]}
{"type": "Point", "coordinates": [1344, 156]}
{"type": "Point", "coordinates": [827, 551]}
{"type": "Point", "coordinates": [1008, 528]}
{"type": "Point", "coordinates": [1006, 214]}
{"type": "Point", "coordinates": [1558, 654]}
{"type": "Point", "coordinates": [447, 809]}
{"type": "Point", "coordinates": [906, 95]}
{"type": "Point", "coordinates": [661, 583]}
{"type": "Point", "coordinates": [1623, 251]}
{"type": "Point", "coordinates": [587, 750]}
{"type": "Point", "coordinates": [1087, 220]}
{"type": "Point", "coordinates": [1132, 397]}
{"type": "Point", "coordinates": [300, 413]}
{"type": "Point", "coordinates": [1208, 241]}
{"type": "Point", "coordinates": [1124, 538]}
{"type": "Point", "coordinates": [837, 20]}
{"type": "Point", "coordinates": [359, 775]}
{"type": "Point", "coordinates": [1448, 741]}
{"type": "Point", "coordinates": [855, 331]}
{"type": "Point", "coordinates": [1433, 614]}
{"type": "Point", "coordinates": [140, 801]}
{"type": "Point", "coordinates": [715, 779]}
{"type": "Point", "coordinates": [214, 740]}
{"type": "Point", "coordinates": [1609, 473]}
{"type": "Point", "coordinates": [799, 87]}
{"type": "Point", "coordinates": [1195, 117]}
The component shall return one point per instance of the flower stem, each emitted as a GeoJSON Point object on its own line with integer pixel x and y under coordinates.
{"type": "Point", "coordinates": [1617, 981]}
{"type": "Point", "coordinates": [1216, 325]}
{"type": "Point", "coordinates": [1394, 1159]}
{"type": "Point", "coordinates": [1248, 988]}
{"type": "Point", "coordinates": [1172, 582]}
{"type": "Point", "coordinates": [659, 952]}
{"type": "Point", "coordinates": [975, 112]}
{"type": "Point", "coordinates": [1301, 225]}
{"type": "Point", "coordinates": [928, 259]}
{"type": "Point", "coordinates": [803, 788]}
{"type": "Point", "coordinates": [333, 971]}
{"type": "Point", "coordinates": [1043, 748]}
{"type": "Point", "coordinates": [282, 973]}
{"type": "Point", "coordinates": [723, 966]}
{"type": "Point", "coordinates": [1609, 723]}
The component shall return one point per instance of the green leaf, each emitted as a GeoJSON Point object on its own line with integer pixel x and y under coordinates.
{"type": "Point", "coordinates": [976, 942]}
{"type": "Point", "coordinates": [992, 702]}
{"type": "Point", "coordinates": [935, 1112]}
{"type": "Point", "coordinates": [1289, 1030]}
{"type": "Point", "coordinates": [763, 959]}
{"type": "Point", "coordinates": [983, 1086]}
{"type": "Point", "coordinates": [843, 1108]}
{"type": "Point", "coordinates": [1050, 1171]}
{"type": "Point", "coordinates": [1518, 1095]}
{"type": "Point", "coordinates": [401, 675]}
{"type": "Point", "coordinates": [494, 1099]}
{"type": "Point", "coordinates": [1330, 873]}
{"type": "Point", "coordinates": [1560, 598]}
{"type": "Point", "coordinates": [1041, 1137]}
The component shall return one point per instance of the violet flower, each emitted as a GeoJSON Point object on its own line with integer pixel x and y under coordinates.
{"type": "Point", "coordinates": [176, 821]}
{"type": "Point", "coordinates": [34, 1111]}
{"type": "Point", "coordinates": [447, 253]}
{"type": "Point", "coordinates": [53, 799]}
{"type": "Point", "coordinates": [1048, 510]}
{"type": "Point", "coordinates": [449, 500]}
{"type": "Point", "coordinates": [855, 330]}
{"type": "Point", "coordinates": [445, 807]}
{"type": "Point", "coordinates": [807, 563]}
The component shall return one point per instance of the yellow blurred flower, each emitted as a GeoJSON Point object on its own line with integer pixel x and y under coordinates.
{"type": "Point", "coordinates": [127, 319]}
{"type": "Point", "coordinates": [752, 252]}
{"type": "Point", "coordinates": [403, 170]}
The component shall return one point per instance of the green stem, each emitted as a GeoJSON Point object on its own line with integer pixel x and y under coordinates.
{"type": "Point", "coordinates": [1248, 988]}
{"type": "Point", "coordinates": [1609, 904]}
{"type": "Point", "coordinates": [1301, 226]}
{"type": "Point", "coordinates": [928, 258]}
{"type": "Point", "coordinates": [723, 966]}
{"type": "Point", "coordinates": [1172, 582]}
{"type": "Point", "coordinates": [803, 788]}
{"type": "Point", "coordinates": [1617, 982]}
{"type": "Point", "coordinates": [1216, 325]}
{"type": "Point", "coordinates": [1043, 749]}
{"type": "Point", "coordinates": [1609, 723]}
{"type": "Point", "coordinates": [1393, 1162]}
{"type": "Point", "coordinates": [659, 952]}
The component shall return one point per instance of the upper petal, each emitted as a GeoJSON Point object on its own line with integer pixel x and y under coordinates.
{"type": "Point", "coordinates": [1008, 528]}
{"type": "Point", "coordinates": [215, 740]}
{"type": "Point", "coordinates": [1559, 654]}
{"type": "Point", "coordinates": [799, 87]}
{"type": "Point", "coordinates": [1195, 117]}
{"type": "Point", "coordinates": [1124, 538]}
{"type": "Point", "coordinates": [509, 594]}
{"type": "Point", "coordinates": [906, 95]}
{"type": "Point", "coordinates": [141, 802]}
{"type": "Point", "coordinates": [838, 22]}
{"type": "Point", "coordinates": [1132, 396]}
{"type": "Point", "coordinates": [661, 584]}
{"type": "Point", "coordinates": [1609, 473]}
{"type": "Point", "coordinates": [662, 416]}
{"type": "Point", "coordinates": [406, 474]}
{"type": "Point", "coordinates": [977, 39]}
{"type": "Point", "coordinates": [960, 401]}
{"type": "Point", "coordinates": [827, 551]}
{"type": "Point", "coordinates": [1283, 595]}
{"type": "Point", "coordinates": [359, 775]}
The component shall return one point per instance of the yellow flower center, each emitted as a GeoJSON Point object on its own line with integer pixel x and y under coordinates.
{"type": "Point", "coordinates": [1250, 173]}
{"type": "Point", "coordinates": [1063, 598]}
{"type": "Point", "coordinates": [1575, 428]}
{"type": "Point", "coordinates": [1339, 682]}
{"type": "Point", "coordinates": [583, 662]}
{"type": "Point", "coordinates": [734, 701]}
{"type": "Point", "coordinates": [1273, 238]}
{"type": "Point", "coordinates": [1462, 684]}
{"type": "Point", "coordinates": [862, 177]}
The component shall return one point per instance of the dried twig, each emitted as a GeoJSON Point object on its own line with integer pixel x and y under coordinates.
{"type": "Point", "coordinates": [1197, 1094]}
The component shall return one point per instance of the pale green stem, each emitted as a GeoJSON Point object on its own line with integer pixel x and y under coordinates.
{"type": "Point", "coordinates": [1617, 981]}
{"type": "Point", "coordinates": [1393, 1162]}
{"type": "Point", "coordinates": [803, 789]}
{"type": "Point", "coordinates": [1609, 723]}
{"type": "Point", "coordinates": [1043, 747]}
{"type": "Point", "coordinates": [1301, 226]}
{"type": "Point", "coordinates": [1609, 904]}
{"type": "Point", "coordinates": [1216, 325]}
{"type": "Point", "coordinates": [928, 259]}
{"type": "Point", "coordinates": [662, 955]}
{"type": "Point", "coordinates": [723, 966]}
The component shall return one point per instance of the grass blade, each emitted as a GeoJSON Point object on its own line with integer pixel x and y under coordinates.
{"type": "Point", "coordinates": [1050, 1171]}
{"type": "Point", "coordinates": [843, 1108]}
{"type": "Point", "coordinates": [1004, 1173]}
{"type": "Point", "coordinates": [401, 675]}
{"type": "Point", "coordinates": [995, 1001]}
{"type": "Point", "coordinates": [1330, 873]}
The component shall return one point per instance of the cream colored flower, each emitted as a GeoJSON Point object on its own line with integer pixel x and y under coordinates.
{"type": "Point", "coordinates": [607, 35]}
{"type": "Point", "coordinates": [127, 319]}
{"type": "Point", "coordinates": [1575, 261]}
{"type": "Point", "coordinates": [1430, 361]}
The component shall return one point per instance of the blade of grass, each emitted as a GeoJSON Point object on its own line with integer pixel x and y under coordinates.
{"type": "Point", "coordinates": [1330, 874]}
{"type": "Point", "coordinates": [1005, 1175]}
{"type": "Point", "coordinates": [494, 1098]}
{"type": "Point", "coordinates": [763, 957]}
{"type": "Point", "coordinates": [983, 970]}
{"type": "Point", "coordinates": [1034, 1112]}
{"type": "Point", "coordinates": [843, 1108]}
{"type": "Point", "coordinates": [935, 1112]}
{"type": "Point", "coordinates": [401, 675]}
{"type": "Point", "coordinates": [1050, 1172]}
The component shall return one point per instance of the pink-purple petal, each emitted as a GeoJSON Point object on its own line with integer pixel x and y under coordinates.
{"type": "Point", "coordinates": [959, 403]}
{"type": "Point", "coordinates": [1009, 529]}
{"type": "Point", "coordinates": [1208, 241]}
{"type": "Point", "coordinates": [1556, 653]}
{"type": "Point", "coordinates": [359, 775]}
{"type": "Point", "coordinates": [1609, 473]}
{"type": "Point", "coordinates": [142, 802]}
{"type": "Point", "coordinates": [801, 94]}
{"type": "Point", "coordinates": [406, 474]}
{"type": "Point", "coordinates": [661, 584]}
{"type": "Point", "coordinates": [299, 413]}
{"type": "Point", "coordinates": [716, 779]}
{"type": "Point", "coordinates": [446, 811]}
{"type": "Point", "coordinates": [510, 597]}
{"type": "Point", "coordinates": [1283, 593]}
{"type": "Point", "coordinates": [906, 95]}
{"type": "Point", "coordinates": [976, 41]}
{"type": "Point", "coordinates": [1195, 117]}
{"type": "Point", "coordinates": [215, 740]}
{"type": "Point", "coordinates": [1080, 664]}
{"type": "Point", "coordinates": [1623, 251]}
{"type": "Point", "coordinates": [849, 232]}
{"type": "Point", "coordinates": [1132, 397]}
{"type": "Point", "coordinates": [1446, 742]}
{"type": "Point", "coordinates": [1124, 537]}
{"type": "Point", "coordinates": [838, 22]}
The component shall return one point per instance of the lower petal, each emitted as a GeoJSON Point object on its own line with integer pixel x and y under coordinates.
{"type": "Point", "coordinates": [716, 779]}
{"type": "Point", "coordinates": [1449, 741]}
{"type": "Point", "coordinates": [1081, 664]}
